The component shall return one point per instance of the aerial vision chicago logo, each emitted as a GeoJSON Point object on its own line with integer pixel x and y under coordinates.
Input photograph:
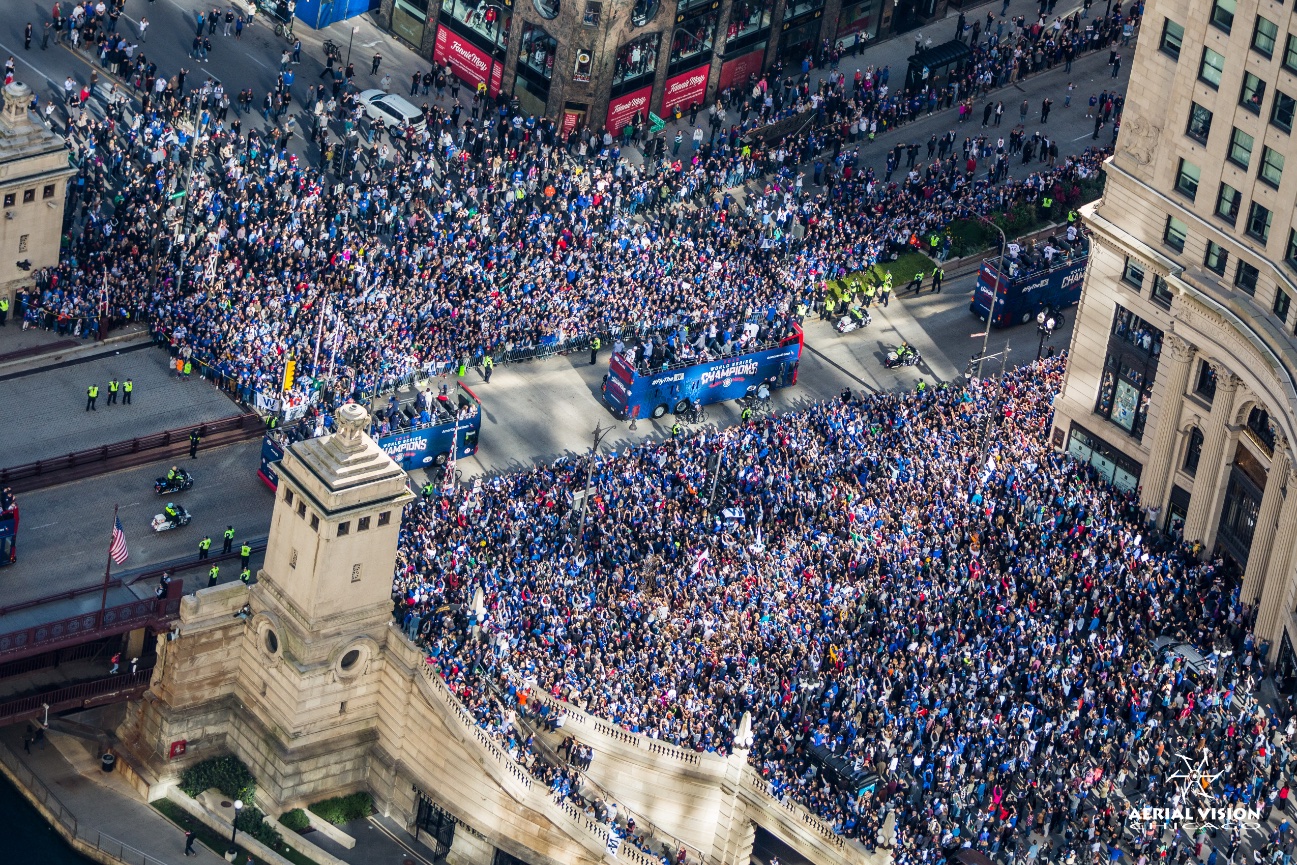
{"type": "Point", "coordinates": [1194, 804]}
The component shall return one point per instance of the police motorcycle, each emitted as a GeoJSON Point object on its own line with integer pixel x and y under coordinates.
{"type": "Point", "coordinates": [172, 516]}
{"type": "Point", "coordinates": [903, 355]}
{"type": "Point", "coordinates": [855, 318]}
{"type": "Point", "coordinates": [756, 395]}
{"type": "Point", "coordinates": [177, 480]}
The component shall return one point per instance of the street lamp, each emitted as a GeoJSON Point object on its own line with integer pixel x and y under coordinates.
{"type": "Point", "coordinates": [995, 292]}
{"type": "Point", "coordinates": [234, 830]}
{"type": "Point", "coordinates": [1046, 322]}
{"type": "Point", "coordinates": [352, 38]}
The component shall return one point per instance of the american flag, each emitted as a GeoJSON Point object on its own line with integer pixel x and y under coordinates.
{"type": "Point", "coordinates": [118, 547]}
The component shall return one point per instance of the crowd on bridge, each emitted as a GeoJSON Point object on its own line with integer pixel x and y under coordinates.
{"type": "Point", "coordinates": [947, 604]}
{"type": "Point", "coordinates": [375, 253]}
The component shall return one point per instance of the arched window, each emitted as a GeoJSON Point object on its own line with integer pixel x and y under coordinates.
{"type": "Point", "coordinates": [1258, 421]}
{"type": "Point", "coordinates": [1193, 452]}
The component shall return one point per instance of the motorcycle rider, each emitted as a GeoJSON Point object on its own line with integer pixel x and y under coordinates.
{"type": "Point", "coordinates": [171, 513]}
{"type": "Point", "coordinates": [172, 475]}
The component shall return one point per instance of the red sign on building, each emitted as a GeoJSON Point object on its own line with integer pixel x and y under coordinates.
{"type": "Point", "coordinates": [469, 63]}
{"type": "Point", "coordinates": [736, 71]}
{"type": "Point", "coordinates": [570, 121]}
{"type": "Point", "coordinates": [178, 749]}
{"type": "Point", "coordinates": [685, 89]}
{"type": "Point", "coordinates": [624, 108]}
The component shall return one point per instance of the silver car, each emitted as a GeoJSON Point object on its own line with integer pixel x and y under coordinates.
{"type": "Point", "coordinates": [394, 111]}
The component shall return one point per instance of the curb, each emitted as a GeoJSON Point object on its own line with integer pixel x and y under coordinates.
{"type": "Point", "coordinates": [88, 350]}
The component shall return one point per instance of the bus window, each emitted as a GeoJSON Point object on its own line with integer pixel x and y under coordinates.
{"type": "Point", "coordinates": [470, 439]}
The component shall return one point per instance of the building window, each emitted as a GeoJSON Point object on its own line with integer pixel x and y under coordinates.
{"type": "Point", "coordinates": [636, 61]}
{"type": "Point", "coordinates": [1290, 255]}
{"type": "Point", "coordinates": [1216, 258]}
{"type": "Point", "coordinates": [748, 17]}
{"type": "Point", "coordinates": [301, 510]}
{"type": "Point", "coordinates": [1240, 148]}
{"type": "Point", "coordinates": [1258, 222]}
{"type": "Point", "coordinates": [11, 198]}
{"type": "Point", "coordinates": [1199, 123]}
{"type": "Point", "coordinates": [1281, 115]}
{"type": "Point", "coordinates": [643, 12]}
{"type": "Point", "coordinates": [1245, 277]}
{"type": "Point", "coordinates": [1290, 54]}
{"type": "Point", "coordinates": [362, 524]}
{"type": "Point", "coordinates": [1258, 421]}
{"type": "Point", "coordinates": [1161, 292]}
{"type": "Point", "coordinates": [1112, 465]}
{"type": "Point", "coordinates": [1134, 347]}
{"type": "Point", "coordinates": [1281, 304]}
{"type": "Point", "coordinates": [48, 191]}
{"type": "Point", "coordinates": [1137, 333]}
{"type": "Point", "coordinates": [1265, 35]}
{"type": "Point", "coordinates": [1222, 14]}
{"type": "Point", "coordinates": [1252, 94]}
{"type": "Point", "coordinates": [288, 496]}
{"type": "Point", "coordinates": [1228, 203]}
{"type": "Point", "coordinates": [537, 50]}
{"type": "Point", "coordinates": [1134, 273]}
{"type": "Point", "coordinates": [548, 9]}
{"type": "Point", "coordinates": [1212, 67]}
{"type": "Point", "coordinates": [344, 528]}
{"type": "Point", "coordinates": [1186, 179]}
{"type": "Point", "coordinates": [1193, 452]}
{"type": "Point", "coordinates": [1206, 387]}
{"type": "Point", "coordinates": [384, 518]}
{"type": "Point", "coordinates": [1172, 39]}
{"type": "Point", "coordinates": [693, 39]}
{"type": "Point", "coordinates": [29, 195]}
{"type": "Point", "coordinates": [315, 523]}
{"type": "Point", "coordinates": [1271, 170]}
{"type": "Point", "coordinates": [593, 14]}
{"type": "Point", "coordinates": [1175, 233]}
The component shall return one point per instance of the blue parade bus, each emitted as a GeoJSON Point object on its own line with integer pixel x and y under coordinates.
{"type": "Point", "coordinates": [1029, 287]}
{"type": "Point", "coordinates": [456, 418]}
{"type": "Point", "coordinates": [632, 394]}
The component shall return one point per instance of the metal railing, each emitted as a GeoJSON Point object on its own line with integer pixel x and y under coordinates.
{"type": "Point", "coordinates": [81, 628]}
{"type": "Point", "coordinates": [109, 689]}
{"type": "Point", "coordinates": [66, 822]}
{"type": "Point", "coordinates": [125, 454]}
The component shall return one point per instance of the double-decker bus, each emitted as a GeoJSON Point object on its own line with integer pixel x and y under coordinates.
{"type": "Point", "coordinates": [633, 394]}
{"type": "Point", "coordinates": [1030, 285]}
{"type": "Point", "coordinates": [456, 418]}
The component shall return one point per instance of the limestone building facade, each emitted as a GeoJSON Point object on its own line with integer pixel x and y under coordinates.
{"type": "Point", "coordinates": [306, 678]}
{"type": "Point", "coordinates": [597, 63]}
{"type": "Point", "coordinates": [1181, 379]}
{"type": "Point", "coordinates": [34, 172]}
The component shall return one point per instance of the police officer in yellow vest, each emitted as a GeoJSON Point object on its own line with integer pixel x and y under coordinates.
{"type": "Point", "coordinates": [204, 546]}
{"type": "Point", "coordinates": [4, 311]}
{"type": "Point", "coordinates": [676, 429]}
{"type": "Point", "coordinates": [113, 386]}
{"type": "Point", "coordinates": [937, 276]}
{"type": "Point", "coordinates": [916, 284]}
{"type": "Point", "coordinates": [92, 394]}
{"type": "Point", "coordinates": [245, 553]}
{"type": "Point", "coordinates": [1045, 204]}
{"type": "Point", "coordinates": [127, 387]}
{"type": "Point", "coordinates": [1071, 217]}
{"type": "Point", "coordinates": [746, 414]}
{"type": "Point", "coordinates": [229, 539]}
{"type": "Point", "coordinates": [594, 350]}
{"type": "Point", "coordinates": [869, 292]}
{"type": "Point", "coordinates": [245, 575]}
{"type": "Point", "coordinates": [488, 364]}
{"type": "Point", "coordinates": [213, 575]}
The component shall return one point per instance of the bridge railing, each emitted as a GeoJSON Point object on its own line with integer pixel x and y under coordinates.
{"type": "Point", "coordinates": [47, 636]}
{"type": "Point", "coordinates": [109, 689]}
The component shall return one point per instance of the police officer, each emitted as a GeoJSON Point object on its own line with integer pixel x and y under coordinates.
{"type": "Point", "coordinates": [113, 386]}
{"type": "Point", "coordinates": [884, 293]}
{"type": "Point", "coordinates": [127, 387]}
{"type": "Point", "coordinates": [676, 429]}
{"type": "Point", "coordinates": [194, 438]}
{"type": "Point", "coordinates": [4, 311]}
{"type": "Point", "coordinates": [938, 274]}
{"type": "Point", "coordinates": [92, 394]}
{"type": "Point", "coordinates": [428, 490]}
{"type": "Point", "coordinates": [213, 575]}
{"type": "Point", "coordinates": [594, 350]}
{"type": "Point", "coordinates": [245, 575]}
{"type": "Point", "coordinates": [746, 414]}
{"type": "Point", "coordinates": [245, 553]}
{"type": "Point", "coordinates": [204, 546]}
{"type": "Point", "coordinates": [916, 284]}
{"type": "Point", "coordinates": [487, 365]}
{"type": "Point", "coordinates": [229, 539]}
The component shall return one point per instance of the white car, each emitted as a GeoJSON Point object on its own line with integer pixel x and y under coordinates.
{"type": "Point", "coordinates": [394, 111]}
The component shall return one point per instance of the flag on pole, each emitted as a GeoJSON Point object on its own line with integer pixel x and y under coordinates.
{"type": "Point", "coordinates": [118, 547]}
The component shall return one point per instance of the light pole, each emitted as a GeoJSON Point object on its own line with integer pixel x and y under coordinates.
{"type": "Point", "coordinates": [189, 192]}
{"type": "Point", "coordinates": [350, 39]}
{"type": "Point", "coordinates": [1046, 323]}
{"type": "Point", "coordinates": [995, 292]}
{"type": "Point", "coordinates": [234, 831]}
{"type": "Point", "coordinates": [598, 436]}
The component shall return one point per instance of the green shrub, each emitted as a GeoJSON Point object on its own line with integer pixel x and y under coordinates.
{"type": "Point", "coordinates": [295, 820]}
{"type": "Point", "coordinates": [252, 822]}
{"type": "Point", "coordinates": [343, 809]}
{"type": "Point", "coordinates": [227, 774]}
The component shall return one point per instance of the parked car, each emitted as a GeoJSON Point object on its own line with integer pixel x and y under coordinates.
{"type": "Point", "coordinates": [1169, 648]}
{"type": "Point", "coordinates": [394, 111]}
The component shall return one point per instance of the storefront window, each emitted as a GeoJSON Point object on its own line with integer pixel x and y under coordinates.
{"type": "Point", "coordinates": [685, 5]}
{"type": "Point", "coordinates": [643, 12]}
{"type": "Point", "coordinates": [636, 59]}
{"type": "Point", "coordinates": [1133, 330]}
{"type": "Point", "coordinates": [859, 18]}
{"type": "Point", "coordinates": [747, 17]}
{"type": "Point", "coordinates": [409, 17]}
{"type": "Point", "coordinates": [796, 8]}
{"type": "Point", "coordinates": [548, 9]}
{"type": "Point", "coordinates": [693, 38]}
{"type": "Point", "coordinates": [799, 41]}
{"type": "Point", "coordinates": [489, 20]}
{"type": "Point", "coordinates": [1111, 464]}
{"type": "Point", "coordinates": [537, 50]}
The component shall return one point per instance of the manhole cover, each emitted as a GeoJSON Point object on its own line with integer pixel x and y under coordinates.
{"type": "Point", "coordinates": [225, 804]}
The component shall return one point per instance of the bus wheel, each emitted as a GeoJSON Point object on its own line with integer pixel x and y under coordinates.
{"type": "Point", "coordinates": [440, 459]}
{"type": "Point", "coordinates": [681, 406]}
{"type": "Point", "coordinates": [660, 410]}
{"type": "Point", "coordinates": [1026, 317]}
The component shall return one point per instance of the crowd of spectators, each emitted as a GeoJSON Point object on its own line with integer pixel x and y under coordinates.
{"type": "Point", "coordinates": [971, 619]}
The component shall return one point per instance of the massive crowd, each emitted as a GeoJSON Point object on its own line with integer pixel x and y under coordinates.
{"type": "Point", "coordinates": [969, 618]}
{"type": "Point", "coordinates": [380, 252]}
